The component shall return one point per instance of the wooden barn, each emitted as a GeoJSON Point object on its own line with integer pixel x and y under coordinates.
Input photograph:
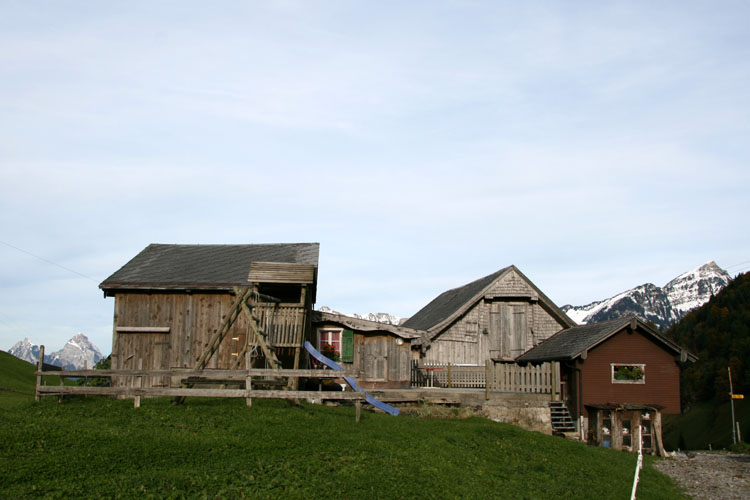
{"type": "Point", "coordinates": [619, 377]}
{"type": "Point", "coordinates": [210, 306]}
{"type": "Point", "coordinates": [379, 351]}
{"type": "Point", "coordinates": [495, 318]}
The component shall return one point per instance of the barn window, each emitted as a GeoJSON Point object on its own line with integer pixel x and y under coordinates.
{"type": "Point", "coordinates": [628, 373]}
{"type": "Point", "coordinates": [329, 339]}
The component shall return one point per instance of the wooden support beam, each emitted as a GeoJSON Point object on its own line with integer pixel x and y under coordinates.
{"type": "Point", "coordinates": [301, 330]}
{"type": "Point", "coordinates": [248, 381]}
{"type": "Point", "coordinates": [260, 337]}
{"type": "Point", "coordinates": [231, 316]}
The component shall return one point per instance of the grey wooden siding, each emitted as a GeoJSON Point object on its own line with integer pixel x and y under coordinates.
{"type": "Point", "coordinates": [508, 321]}
{"type": "Point", "coordinates": [378, 357]}
{"type": "Point", "coordinates": [192, 319]}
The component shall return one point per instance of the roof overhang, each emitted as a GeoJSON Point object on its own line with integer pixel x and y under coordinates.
{"type": "Point", "coordinates": [364, 325]}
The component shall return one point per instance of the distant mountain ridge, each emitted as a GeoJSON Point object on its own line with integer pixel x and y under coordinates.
{"type": "Point", "coordinates": [75, 354]}
{"type": "Point", "coordinates": [663, 306]}
{"type": "Point", "coordinates": [380, 317]}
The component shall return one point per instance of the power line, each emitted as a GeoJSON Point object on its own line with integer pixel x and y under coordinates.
{"type": "Point", "coordinates": [741, 263]}
{"type": "Point", "coordinates": [48, 261]}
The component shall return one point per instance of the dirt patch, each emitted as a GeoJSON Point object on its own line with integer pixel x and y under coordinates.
{"type": "Point", "coordinates": [716, 475]}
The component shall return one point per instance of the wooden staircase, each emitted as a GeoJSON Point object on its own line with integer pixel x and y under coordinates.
{"type": "Point", "coordinates": [562, 420]}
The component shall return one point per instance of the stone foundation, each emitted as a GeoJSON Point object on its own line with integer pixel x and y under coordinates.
{"type": "Point", "coordinates": [528, 412]}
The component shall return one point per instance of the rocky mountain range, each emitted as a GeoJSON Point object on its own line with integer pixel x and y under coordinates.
{"type": "Point", "coordinates": [76, 353]}
{"type": "Point", "coordinates": [661, 305]}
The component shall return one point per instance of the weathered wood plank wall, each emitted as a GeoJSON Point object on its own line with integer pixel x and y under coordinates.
{"type": "Point", "coordinates": [192, 318]}
{"type": "Point", "coordinates": [508, 321]}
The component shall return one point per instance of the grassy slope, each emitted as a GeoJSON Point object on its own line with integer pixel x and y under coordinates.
{"type": "Point", "coordinates": [102, 448]}
{"type": "Point", "coordinates": [17, 380]}
{"type": "Point", "coordinates": [706, 423]}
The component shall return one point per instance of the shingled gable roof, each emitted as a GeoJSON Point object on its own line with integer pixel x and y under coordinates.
{"type": "Point", "coordinates": [216, 267]}
{"type": "Point", "coordinates": [574, 342]}
{"type": "Point", "coordinates": [448, 306]}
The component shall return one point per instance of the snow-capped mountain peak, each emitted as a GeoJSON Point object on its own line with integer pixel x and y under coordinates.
{"type": "Point", "coordinates": [77, 353]}
{"type": "Point", "coordinates": [661, 305]}
{"type": "Point", "coordinates": [25, 350]}
{"type": "Point", "coordinates": [693, 289]}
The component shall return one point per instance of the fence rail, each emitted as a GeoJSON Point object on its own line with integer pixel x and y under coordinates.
{"type": "Point", "coordinates": [216, 377]}
{"type": "Point", "coordinates": [501, 377]}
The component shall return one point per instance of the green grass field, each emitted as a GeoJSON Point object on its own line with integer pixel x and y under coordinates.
{"type": "Point", "coordinates": [208, 448]}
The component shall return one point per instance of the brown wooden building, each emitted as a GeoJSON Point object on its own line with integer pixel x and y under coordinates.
{"type": "Point", "coordinates": [172, 303]}
{"type": "Point", "coordinates": [497, 317]}
{"type": "Point", "coordinates": [616, 374]}
{"type": "Point", "coordinates": [379, 351]}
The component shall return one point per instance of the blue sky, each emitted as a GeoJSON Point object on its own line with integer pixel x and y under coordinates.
{"type": "Point", "coordinates": [595, 145]}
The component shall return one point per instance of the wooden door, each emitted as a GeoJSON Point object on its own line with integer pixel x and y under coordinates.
{"type": "Point", "coordinates": [375, 358]}
{"type": "Point", "coordinates": [508, 330]}
{"type": "Point", "coordinates": [517, 334]}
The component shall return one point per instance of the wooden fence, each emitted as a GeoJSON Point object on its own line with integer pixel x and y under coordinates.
{"type": "Point", "coordinates": [226, 384]}
{"type": "Point", "coordinates": [501, 377]}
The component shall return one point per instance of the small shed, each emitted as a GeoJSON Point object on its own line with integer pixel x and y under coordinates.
{"type": "Point", "coordinates": [381, 352]}
{"type": "Point", "coordinates": [616, 375]}
{"type": "Point", "coordinates": [497, 317]}
{"type": "Point", "coordinates": [178, 306]}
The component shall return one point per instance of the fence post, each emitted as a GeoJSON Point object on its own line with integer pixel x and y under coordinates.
{"type": "Point", "coordinates": [487, 378]}
{"type": "Point", "coordinates": [62, 383]}
{"type": "Point", "coordinates": [248, 379]}
{"type": "Point", "coordinates": [39, 368]}
{"type": "Point", "coordinates": [137, 399]}
{"type": "Point", "coordinates": [450, 377]}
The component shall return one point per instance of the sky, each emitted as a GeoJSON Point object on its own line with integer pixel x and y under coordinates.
{"type": "Point", "coordinates": [424, 144]}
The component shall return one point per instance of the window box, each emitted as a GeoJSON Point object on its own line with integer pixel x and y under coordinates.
{"type": "Point", "coordinates": [628, 373]}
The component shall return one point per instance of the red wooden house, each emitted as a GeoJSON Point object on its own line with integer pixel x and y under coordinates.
{"type": "Point", "coordinates": [618, 377]}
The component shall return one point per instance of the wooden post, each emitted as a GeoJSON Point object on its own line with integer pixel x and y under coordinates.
{"type": "Point", "coordinates": [301, 330]}
{"type": "Point", "coordinates": [450, 381]}
{"type": "Point", "coordinates": [487, 378]}
{"type": "Point", "coordinates": [39, 368]}
{"type": "Point", "coordinates": [248, 379]}
{"type": "Point", "coordinates": [358, 406]}
{"type": "Point", "coordinates": [137, 399]}
{"type": "Point", "coordinates": [62, 383]}
{"type": "Point", "coordinates": [556, 396]}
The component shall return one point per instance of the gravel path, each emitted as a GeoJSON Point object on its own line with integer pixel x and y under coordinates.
{"type": "Point", "coordinates": [714, 476]}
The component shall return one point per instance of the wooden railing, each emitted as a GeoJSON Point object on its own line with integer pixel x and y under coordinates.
{"type": "Point", "coordinates": [501, 377]}
{"type": "Point", "coordinates": [510, 377]}
{"type": "Point", "coordinates": [215, 377]}
{"type": "Point", "coordinates": [284, 324]}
